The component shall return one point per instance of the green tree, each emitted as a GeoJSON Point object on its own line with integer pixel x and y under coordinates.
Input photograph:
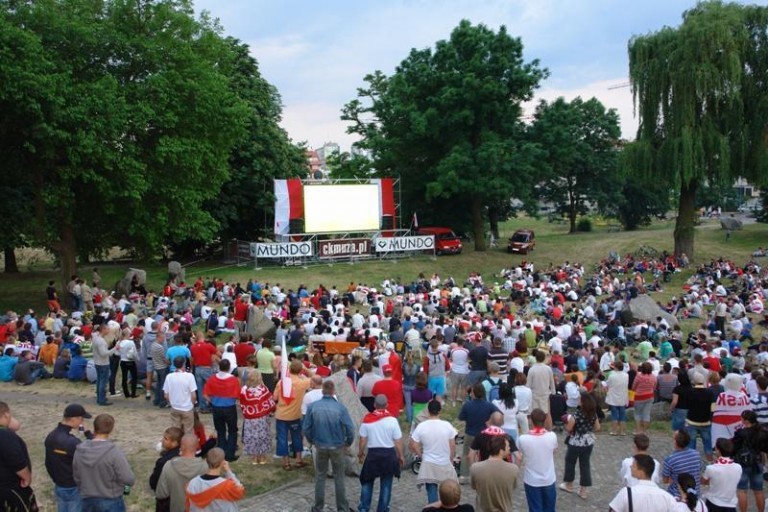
{"type": "Point", "coordinates": [246, 201]}
{"type": "Point", "coordinates": [346, 165]}
{"type": "Point", "coordinates": [639, 202]}
{"type": "Point", "coordinates": [448, 123]}
{"type": "Point", "coordinates": [580, 139]}
{"type": "Point", "coordinates": [132, 120]}
{"type": "Point", "coordinates": [700, 93]}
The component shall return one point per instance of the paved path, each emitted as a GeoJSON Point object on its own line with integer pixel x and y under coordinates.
{"type": "Point", "coordinates": [609, 451]}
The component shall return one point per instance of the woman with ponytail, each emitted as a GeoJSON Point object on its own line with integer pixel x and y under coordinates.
{"type": "Point", "coordinates": [689, 496]}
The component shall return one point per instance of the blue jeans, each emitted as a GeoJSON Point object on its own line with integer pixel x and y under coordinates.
{"type": "Point", "coordinates": [678, 419]}
{"type": "Point", "coordinates": [541, 499]}
{"type": "Point", "coordinates": [102, 378]}
{"type": "Point", "coordinates": [202, 374]}
{"type": "Point", "coordinates": [103, 504]}
{"type": "Point", "coordinates": [706, 437]}
{"type": "Point", "coordinates": [225, 423]}
{"type": "Point", "coordinates": [408, 403]}
{"type": "Point", "coordinates": [159, 399]}
{"type": "Point", "coordinates": [68, 499]}
{"type": "Point", "coordinates": [618, 412]}
{"type": "Point", "coordinates": [432, 495]}
{"type": "Point", "coordinates": [385, 494]}
{"type": "Point", "coordinates": [282, 428]}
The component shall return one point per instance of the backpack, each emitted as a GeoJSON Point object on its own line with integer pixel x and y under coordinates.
{"type": "Point", "coordinates": [746, 456]}
{"type": "Point", "coordinates": [493, 393]}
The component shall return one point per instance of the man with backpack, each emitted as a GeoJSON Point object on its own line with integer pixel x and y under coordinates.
{"type": "Point", "coordinates": [492, 381]}
{"type": "Point", "coordinates": [436, 365]}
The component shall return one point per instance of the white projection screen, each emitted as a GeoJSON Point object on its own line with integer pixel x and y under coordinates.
{"type": "Point", "coordinates": [341, 208]}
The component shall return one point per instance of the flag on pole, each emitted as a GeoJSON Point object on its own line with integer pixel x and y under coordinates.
{"type": "Point", "coordinates": [286, 385]}
{"type": "Point", "coordinates": [415, 221]}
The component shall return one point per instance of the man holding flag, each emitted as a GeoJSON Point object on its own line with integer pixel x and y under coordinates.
{"type": "Point", "coordinates": [289, 393]}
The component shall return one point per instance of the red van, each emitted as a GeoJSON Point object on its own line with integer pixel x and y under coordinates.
{"type": "Point", "coordinates": [446, 241]}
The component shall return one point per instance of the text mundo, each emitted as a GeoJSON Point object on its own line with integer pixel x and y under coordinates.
{"type": "Point", "coordinates": [281, 250]}
{"type": "Point", "coordinates": [405, 243]}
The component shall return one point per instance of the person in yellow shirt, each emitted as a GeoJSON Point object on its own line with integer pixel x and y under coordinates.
{"type": "Point", "coordinates": [49, 351]}
{"type": "Point", "coordinates": [288, 415]}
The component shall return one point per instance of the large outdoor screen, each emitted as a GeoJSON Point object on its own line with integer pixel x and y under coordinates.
{"type": "Point", "coordinates": [341, 208]}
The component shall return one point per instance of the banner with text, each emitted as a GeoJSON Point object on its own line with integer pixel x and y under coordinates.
{"type": "Point", "coordinates": [344, 247]}
{"type": "Point", "coordinates": [282, 250]}
{"type": "Point", "coordinates": [405, 243]}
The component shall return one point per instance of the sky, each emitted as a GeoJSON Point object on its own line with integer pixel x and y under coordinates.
{"type": "Point", "coordinates": [317, 52]}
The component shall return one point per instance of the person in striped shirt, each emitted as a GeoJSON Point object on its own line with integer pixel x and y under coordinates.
{"type": "Point", "coordinates": [682, 460]}
{"type": "Point", "coordinates": [759, 400]}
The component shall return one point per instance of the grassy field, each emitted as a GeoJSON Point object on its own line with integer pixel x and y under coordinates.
{"type": "Point", "coordinates": [554, 245]}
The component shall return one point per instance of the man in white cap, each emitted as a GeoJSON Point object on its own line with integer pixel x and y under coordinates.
{"type": "Point", "coordinates": [395, 361]}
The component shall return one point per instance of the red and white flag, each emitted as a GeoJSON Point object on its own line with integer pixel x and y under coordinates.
{"type": "Point", "coordinates": [415, 221]}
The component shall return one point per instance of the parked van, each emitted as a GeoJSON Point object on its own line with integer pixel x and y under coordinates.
{"type": "Point", "coordinates": [523, 241]}
{"type": "Point", "coordinates": [446, 241]}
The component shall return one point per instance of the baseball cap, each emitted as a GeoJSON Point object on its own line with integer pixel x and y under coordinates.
{"type": "Point", "coordinates": [76, 411]}
{"type": "Point", "coordinates": [390, 346]}
{"type": "Point", "coordinates": [699, 379]}
{"type": "Point", "coordinates": [387, 368]}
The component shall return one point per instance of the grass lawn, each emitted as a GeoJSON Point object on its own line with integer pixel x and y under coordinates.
{"type": "Point", "coordinates": [554, 246]}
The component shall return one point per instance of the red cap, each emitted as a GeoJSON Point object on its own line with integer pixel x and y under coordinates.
{"type": "Point", "coordinates": [387, 368]}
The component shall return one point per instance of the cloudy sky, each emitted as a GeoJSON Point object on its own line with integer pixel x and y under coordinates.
{"type": "Point", "coordinates": [317, 52]}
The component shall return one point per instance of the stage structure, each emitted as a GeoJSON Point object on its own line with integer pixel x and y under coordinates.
{"type": "Point", "coordinates": [322, 221]}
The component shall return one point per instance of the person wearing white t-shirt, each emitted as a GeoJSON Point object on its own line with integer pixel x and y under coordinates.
{"type": "Point", "coordinates": [434, 440]}
{"type": "Point", "coordinates": [555, 345]}
{"type": "Point", "coordinates": [459, 371]}
{"type": "Point", "coordinates": [642, 442]}
{"type": "Point", "coordinates": [127, 350]}
{"type": "Point", "coordinates": [313, 394]}
{"type": "Point", "coordinates": [538, 448]}
{"type": "Point", "coordinates": [644, 495]}
{"type": "Point", "coordinates": [617, 398]}
{"type": "Point", "coordinates": [723, 476]}
{"type": "Point", "coordinates": [381, 436]}
{"type": "Point", "coordinates": [180, 392]}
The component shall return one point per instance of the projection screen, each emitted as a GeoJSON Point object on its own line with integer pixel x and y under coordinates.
{"type": "Point", "coordinates": [341, 208]}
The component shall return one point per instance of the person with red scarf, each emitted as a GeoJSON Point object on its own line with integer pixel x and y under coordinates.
{"type": "Point", "coordinates": [392, 389]}
{"type": "Point", "coordinates": [723, 478]}
{"type": "Point", "coordinates": [222, 392]}
{"type": "Point", "coordinates": [256, 403]}
{"type": "Point", "coordinates": [380, 433]}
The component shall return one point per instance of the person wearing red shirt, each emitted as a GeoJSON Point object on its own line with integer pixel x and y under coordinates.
{"type": "Point", "coordinates": [396, 363]}
{"type": "Point", "coordinates": [243, 351]}
{"type": "Point", "coordinates": [241, 315]}
{"type": "Point", "coordinates": [202, 358]}
{"type": "Point", "coordinates": [390, 388]}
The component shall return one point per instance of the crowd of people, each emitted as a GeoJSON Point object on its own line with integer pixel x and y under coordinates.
{"type": "Point", "coordinates": [520, 358]}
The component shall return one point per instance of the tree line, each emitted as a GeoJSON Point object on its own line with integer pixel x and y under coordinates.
{"type": "Point", "coordinates": [134, 123]}
{"type": "Point", "coordinates": [449, 122]}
